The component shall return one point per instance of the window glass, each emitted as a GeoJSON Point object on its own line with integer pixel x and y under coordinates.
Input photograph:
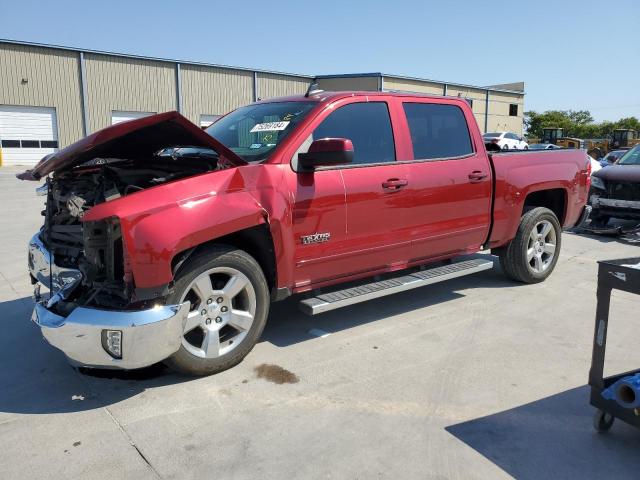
{"type": "Point", "coordinates": [513, 110]}
{"type": "Point", "coordinates": [30, 144]}
{"type": "Point", "coordinates": [253, 132]}
{"type": "Point", "coordinates": [437, 131]}
{"type": "Point", "coordinates": [49, 143]}
{"type": "Point", "coordinates": [367, 125]}
{"type": "Point", "coordinates": [11, 143]}
{"type": "Point", "coordinates": [632, 157]}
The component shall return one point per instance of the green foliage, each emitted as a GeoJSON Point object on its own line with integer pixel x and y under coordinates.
{"type": "Point", "coordinates": [578, 124]}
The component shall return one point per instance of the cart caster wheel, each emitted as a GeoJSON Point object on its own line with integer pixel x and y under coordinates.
{"type": "Point", "coordinates": [602, 421]}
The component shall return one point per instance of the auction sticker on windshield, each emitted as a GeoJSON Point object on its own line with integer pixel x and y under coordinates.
{"type": "Point", "coordinates": [269, 127]}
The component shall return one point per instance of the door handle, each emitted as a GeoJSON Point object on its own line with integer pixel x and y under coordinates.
{"type": "Point", "coordinates": [477, 176]}
{"type": "Point", "coordinates": [394, 184]}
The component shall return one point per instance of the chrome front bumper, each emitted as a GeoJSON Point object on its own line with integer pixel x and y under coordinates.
{"type": "Point", "coordinates": [148, 336]}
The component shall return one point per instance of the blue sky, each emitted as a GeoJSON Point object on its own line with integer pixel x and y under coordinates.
{"type": "Point", "coordinates": [571, 54]}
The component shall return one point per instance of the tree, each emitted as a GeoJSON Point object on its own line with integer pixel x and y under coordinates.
{"type": "Point", "coordinates": [575, 123]}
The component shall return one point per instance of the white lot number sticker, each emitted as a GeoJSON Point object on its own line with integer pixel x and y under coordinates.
{"type": "Point", "coordinates": [269, 127]}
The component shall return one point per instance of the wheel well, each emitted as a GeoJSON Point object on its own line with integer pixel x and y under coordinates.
{"type": "Point", "coordinates": [256, 241]}
{"type": "Point", "coordinates": [554, 199]}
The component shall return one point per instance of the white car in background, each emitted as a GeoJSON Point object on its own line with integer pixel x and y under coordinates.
{"type": "Point", "coordinates": [506, 140]}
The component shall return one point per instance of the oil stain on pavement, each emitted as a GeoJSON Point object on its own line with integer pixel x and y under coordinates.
{"type": "Point", "coordinates": [275, 374]}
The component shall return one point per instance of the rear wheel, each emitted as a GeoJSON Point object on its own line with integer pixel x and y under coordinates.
{"type": "Point", "coordinates": [532, 255]}
{"type": "Point", "coordinates": [229, 306]}
{"type": "Point", "coordinates": [505, 147]}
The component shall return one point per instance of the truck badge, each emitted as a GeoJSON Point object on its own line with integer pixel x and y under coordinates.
{"type": "Point", "coordinates": [315, 238]}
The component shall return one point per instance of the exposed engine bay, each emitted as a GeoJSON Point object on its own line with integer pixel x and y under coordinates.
{"type": "Point", "coordinates": [96, 248]}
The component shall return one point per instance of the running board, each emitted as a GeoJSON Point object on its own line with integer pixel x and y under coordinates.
{"type": "Point", "coordinates": [349, 296]}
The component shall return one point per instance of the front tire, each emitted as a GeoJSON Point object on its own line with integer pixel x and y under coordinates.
{"type": "Point", "coordinates": [532, 255]}
{"type": "Point", "coordinates": [229, 307]}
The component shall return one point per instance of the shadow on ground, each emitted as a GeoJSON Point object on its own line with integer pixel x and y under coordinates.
{"type": "Point", "coordinates": [288, 326]}
{"type": "Point", "coordinates": [554, 438]}
{"type": "Point", "coordinates": [37, 379]}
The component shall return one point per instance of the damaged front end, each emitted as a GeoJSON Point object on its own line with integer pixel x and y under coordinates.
{"type": "Point", "coordinates": [92, 310]}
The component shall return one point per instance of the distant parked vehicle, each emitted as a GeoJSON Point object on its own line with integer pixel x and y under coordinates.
{"type": "Point", "coordinates": [506, 140]}
{"type": "Point", "coordinates": [543, 146]}
{"type": "Point", "coordinates": [612, 157]}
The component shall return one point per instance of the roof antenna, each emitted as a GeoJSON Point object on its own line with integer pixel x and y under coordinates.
{"type": "Point", "coordinates": [313, 89]}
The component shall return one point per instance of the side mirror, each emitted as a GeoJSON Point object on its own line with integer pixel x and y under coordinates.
{"type": "Point", "coordinates": [325, 152]}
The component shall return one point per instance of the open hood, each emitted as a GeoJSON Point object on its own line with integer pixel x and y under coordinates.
{"type": "Point", "coordinates": [140, 138]}
{"type": "Point", "coordinates": [619, 173]}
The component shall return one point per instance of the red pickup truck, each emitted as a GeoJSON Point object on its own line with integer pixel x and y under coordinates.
{"type": "Point", "coordinates": [164, 242]}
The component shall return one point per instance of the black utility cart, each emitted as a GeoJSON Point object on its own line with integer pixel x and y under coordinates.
{"type": "Point", "coordinates": [624, 275]}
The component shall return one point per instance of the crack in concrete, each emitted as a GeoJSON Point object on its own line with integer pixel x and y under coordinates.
{"type": "Point", "coordinates": [124, 432]}
{"type": "Point", "coordinates": [131, 442]}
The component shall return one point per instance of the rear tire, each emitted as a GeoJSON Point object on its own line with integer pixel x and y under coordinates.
{"type": "Point", "coordinates": [229, 299]}
{"type": "Point", "coordinates": [505, 147]}
{"type": "Point", "coordinates": [532, 255]}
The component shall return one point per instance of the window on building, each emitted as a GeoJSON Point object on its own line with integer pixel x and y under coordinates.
{"type": "Point", "coordinates": [513, 110]}
{"type": "Point", "coordinates": [367, 125]}
{"type": "Point", "coordinates": [30, 143]}
{"type": "Point", "coordinates": [49, 143]}
{"type": "Point", "coordinates": [11, 143]}
{"type": "Point", "coordinates": [437, 131]}
{"type": "Point", "coordinates": [206, 120]}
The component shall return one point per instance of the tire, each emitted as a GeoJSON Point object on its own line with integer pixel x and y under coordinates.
{"type": "Point", "coordinates": [229, 307]}
{"type": "Point", "coordinates": [544, 244]}
{"type": "Point", "coordinates": [526, 147]}
{"type": "Point", "coordinates": [505, 147]}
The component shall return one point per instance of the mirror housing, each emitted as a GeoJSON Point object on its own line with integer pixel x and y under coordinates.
{"type": "Point", "coordinates": [326, 152]}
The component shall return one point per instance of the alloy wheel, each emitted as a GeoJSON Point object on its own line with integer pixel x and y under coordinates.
{"type": "Point", "coordinates": [223, 308]}
{"type": "Point", "coordinates": [541, 248]}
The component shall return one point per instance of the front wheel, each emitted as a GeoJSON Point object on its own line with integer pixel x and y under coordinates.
{"type": "Point", "coordinates": [229, 300]}
{"type": "Point", "coordinates": [532, 255]}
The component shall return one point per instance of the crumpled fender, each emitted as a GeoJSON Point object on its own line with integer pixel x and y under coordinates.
{"type": "Point", "coordinates": [161, 222]}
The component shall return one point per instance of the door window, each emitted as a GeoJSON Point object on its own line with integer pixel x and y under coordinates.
{"type": "Point", "coordinates": [437, 131]}
{"type": "Point", "coordinates": [367, 125]}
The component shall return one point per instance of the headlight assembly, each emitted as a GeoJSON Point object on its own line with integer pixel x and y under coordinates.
{"type": "Point", "coordinates": [597, 182]}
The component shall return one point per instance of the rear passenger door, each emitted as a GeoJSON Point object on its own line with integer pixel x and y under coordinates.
{"type": "Point", "coordinates": [450, 181]}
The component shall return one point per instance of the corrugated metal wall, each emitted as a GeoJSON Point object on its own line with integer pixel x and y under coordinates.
{"type": "Point", "coordinates": [213, 91]}
{"type": "Point", "coordinates": [273, 85]}
{"type": "Point", "coordinates": [349, 83]}
{"type": "Point", "coordinates": [52, 80]}
{"type": "Point", "coordinates": [407, 85]}
{"type": "Point", "coordinates": [119, 83]}
{"type": "Point", "coordinates": [146, 85]}
{"type": "Point", "coordinates": [499, 118]}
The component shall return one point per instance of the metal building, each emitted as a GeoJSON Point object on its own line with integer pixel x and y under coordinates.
{"type": "Point", "coordinates": [51, 96]}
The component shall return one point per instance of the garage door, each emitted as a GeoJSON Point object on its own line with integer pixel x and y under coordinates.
{"type": "Point", "coordinates": [119, 116]}
{"type": "Point", "coordinates": [27, 134]}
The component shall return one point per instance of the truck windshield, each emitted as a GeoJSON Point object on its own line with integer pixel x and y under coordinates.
{"type": "Point", "coordinates": [632, 157]}
{"type": "Point", "coordinates": [254, 131]}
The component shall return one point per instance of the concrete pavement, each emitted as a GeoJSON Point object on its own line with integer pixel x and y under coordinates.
{"type": "Point", "coordinates": [472, 379]}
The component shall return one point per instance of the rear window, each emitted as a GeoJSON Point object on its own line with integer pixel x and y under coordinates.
{"type": "Point", "coordinates": [437, 131]}
{"type": "Point", "coordinates": [491, 135]}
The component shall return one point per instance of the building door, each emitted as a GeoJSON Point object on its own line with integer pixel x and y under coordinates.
{"type": "Point", "coordinates": [27, 134]}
